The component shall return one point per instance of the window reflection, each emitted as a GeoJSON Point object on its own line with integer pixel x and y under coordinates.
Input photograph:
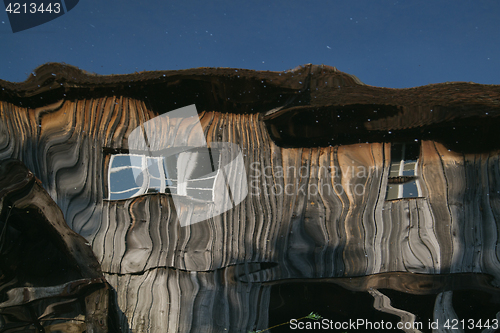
{"type": "Point", "coordinates": [190, 173]}
{"type": "Point", "coordinates": [403, 181]}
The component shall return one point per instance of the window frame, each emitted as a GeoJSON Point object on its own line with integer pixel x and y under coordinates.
{"type": "Point", "coordinates": [402, 179]}
{"type": "Point", "coordinates": [145, 188]}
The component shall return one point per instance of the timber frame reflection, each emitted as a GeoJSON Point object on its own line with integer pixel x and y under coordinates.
{"type": "Point", "coordinates": [429, 211]}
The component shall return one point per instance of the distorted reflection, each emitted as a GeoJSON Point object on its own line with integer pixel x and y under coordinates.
{"type": "Point", "coordinates": [403, 181]}
{"type": "Point", "coordinates": [191, 173]}
{"type": "Point", "coordinates": [267, 196]}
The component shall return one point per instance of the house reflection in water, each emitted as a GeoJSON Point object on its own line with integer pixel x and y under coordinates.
{"type": "Point", "coordinates": [283, 183]}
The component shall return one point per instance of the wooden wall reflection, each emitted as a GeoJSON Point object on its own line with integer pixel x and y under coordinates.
{"type": "Point", "coordinates": [310, 213]}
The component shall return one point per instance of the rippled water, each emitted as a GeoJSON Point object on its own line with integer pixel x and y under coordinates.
{"type": "Point", "coordinates": [268, 197]}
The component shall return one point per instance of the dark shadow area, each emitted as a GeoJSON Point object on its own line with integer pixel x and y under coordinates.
{"type": "Point", "coordinates": [49, 277]}
{"type": "Point", "coordinates": [461, 128]}
{"type": "Point", "coordinates": [349, 309]}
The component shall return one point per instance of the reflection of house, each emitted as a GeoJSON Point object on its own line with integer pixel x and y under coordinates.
{"type": "Point", "coordinates": [410, 192]}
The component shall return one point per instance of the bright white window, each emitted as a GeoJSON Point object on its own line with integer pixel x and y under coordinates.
{"type": "Point", "coordinates": [403, 179]}
{"type": "Point", "coordinates": [191, 173]}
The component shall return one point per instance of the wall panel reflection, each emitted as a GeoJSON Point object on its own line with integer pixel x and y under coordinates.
{"type": "Point", "coordinates": [291, 187]}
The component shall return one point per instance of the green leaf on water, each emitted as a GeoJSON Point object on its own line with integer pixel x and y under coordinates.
{"type": "Point", "coordinates": [314, 316]}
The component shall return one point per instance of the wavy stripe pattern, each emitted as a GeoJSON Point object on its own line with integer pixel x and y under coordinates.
{"type": "Point", "coordinates": [313, 212]}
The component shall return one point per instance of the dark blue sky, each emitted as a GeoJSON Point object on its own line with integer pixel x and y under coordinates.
{"type": "Point", "coordinates": [384, 43]}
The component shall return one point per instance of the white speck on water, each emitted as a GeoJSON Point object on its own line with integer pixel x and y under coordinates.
{"type": "Point", "coordinates": [328, 47]}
